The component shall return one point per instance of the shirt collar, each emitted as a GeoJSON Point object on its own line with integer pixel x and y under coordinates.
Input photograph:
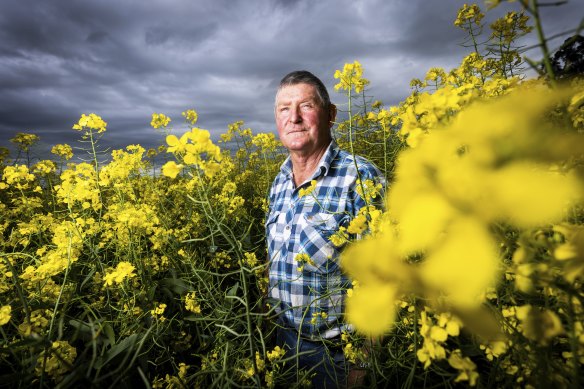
{"type": "Point", "coordinates": [323, 166]}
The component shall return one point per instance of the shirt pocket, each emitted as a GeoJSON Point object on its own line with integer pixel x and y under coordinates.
{"type": "Point", "coordinates": [315, 232]}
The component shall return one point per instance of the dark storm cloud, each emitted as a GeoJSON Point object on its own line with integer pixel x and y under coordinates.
{"type": "Point", "coordinates": [125, 60]}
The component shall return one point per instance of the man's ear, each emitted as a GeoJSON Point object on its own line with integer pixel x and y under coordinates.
{"type": "Point", "coordinates": [332, 114]}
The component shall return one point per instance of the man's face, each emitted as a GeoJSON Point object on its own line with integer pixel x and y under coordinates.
{"type": "Point", "coordinates": [303, 124]}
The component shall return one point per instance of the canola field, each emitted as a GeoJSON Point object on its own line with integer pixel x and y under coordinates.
{"type": "Point", "coordinates": [125, 273]}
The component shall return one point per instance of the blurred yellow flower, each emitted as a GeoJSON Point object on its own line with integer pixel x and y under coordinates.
{"type": "Point", "coordinates": [171, 169]}
{"type": "Point", "coordinates": [466, 367]}
{"type": "Point", "coordinates": [371, 308]}
{"type": "Point", "coordinates": [5, 314]}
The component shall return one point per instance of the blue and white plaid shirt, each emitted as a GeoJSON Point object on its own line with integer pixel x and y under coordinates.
{"type": "Point", "coordinates": [297, 225]}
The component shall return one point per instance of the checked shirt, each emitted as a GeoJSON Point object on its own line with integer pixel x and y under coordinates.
{"type": "Point", "coordinates": [310, 296]}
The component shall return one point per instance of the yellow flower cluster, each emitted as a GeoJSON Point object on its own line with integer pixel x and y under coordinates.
{"type": "Point", "coordinates": [191, 147]}
{"type": "Point", "coordinates": [17, 176]}
{"type": "Point", "coordinates": [276, 354]}
{"type": "Point", "coordinates": [123, 270]}
{"type": "Point", "coordinates": [79, 186]}
{"type": "Point", "coordinates": [68, 242]}
{"type": "Point", "coordinates": [158, 312]}
{"type": "Point", "coordinates": [44, 167]}
{"type": "Point", "coordinates": [191, 303]}
{"type": "Point", "coordinates": [160, 120]}
{"type": "Point", "coordinates": [467, 368]}
{"type": "Point", "coordinates": [352, 354]}
{"type": "Point", "coordinates": [576, 107]}
{"type": "Point", "coordinates": [469, 14]}
{"type": "Point", "coordinates": [5, 314]}
{"type": "Point", "coordinates": [269, 368]}
{"type": "Point", "coordinates": [24, 141]}
{"type": "Point", "coordinates": [541, 325]}
{"type": "Point", "coordinates": [63, 151]}
{"type": "Point", "coordinates": [37, 324]}
{"type": "Point", "coordinates": [59, 360]}
{"type": "Point", "coordinates": [507, 28]}
{"type": "Point", "coordinates": [122, 166]}
{"type": "Point", "coordinates": [351, 78]}
{"type": "Point", "coordinates": [265, 141]}
{"type": "Point", "coordinates": [317, 316]}
{"type": "Point", "coordinates": [222, 260]}
{"type": "Point", "coordinates": [368, 190]}
{"type": "Point", "coordinates": [437, 205]}
{"type": "Point", "coordinates": [190, 116]}
{"type": "Point", "coordinates": [90, 122]}
{"type": "Point", "coordinates": [435, 335]}
{"type": "Point", "coordinates": [307, 190]}
{"type": "Point", "coordinates": [302, 260]}
{"type": "Point", "coordinates": [228, 199]}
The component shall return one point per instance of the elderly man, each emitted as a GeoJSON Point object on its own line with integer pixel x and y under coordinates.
{"type": "Point", "coordinates": [313, 195]}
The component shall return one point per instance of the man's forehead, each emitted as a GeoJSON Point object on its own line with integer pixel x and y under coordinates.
{"type": "Point", "coordinates": [296, 91]}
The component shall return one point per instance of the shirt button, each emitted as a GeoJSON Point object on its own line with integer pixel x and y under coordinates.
{"type": "Point", "coordinates": [288, 228]}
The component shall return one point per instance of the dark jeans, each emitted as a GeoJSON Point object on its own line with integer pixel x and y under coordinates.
{"type": "Point", "coordinates": [326, 361]}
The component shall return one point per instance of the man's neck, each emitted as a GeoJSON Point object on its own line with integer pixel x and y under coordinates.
{"type": "Point", "coordinates": [304, 165]}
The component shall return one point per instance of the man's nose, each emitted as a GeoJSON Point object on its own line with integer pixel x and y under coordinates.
{"type": "Point", "coordinates": [295, 115]}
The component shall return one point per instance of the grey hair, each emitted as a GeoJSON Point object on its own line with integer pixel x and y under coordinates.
{"type": "Point", "coordinates": [305, 77]}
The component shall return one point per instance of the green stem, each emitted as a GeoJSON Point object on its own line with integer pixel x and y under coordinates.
{"type": "Point", "coordinates": [533, 8]}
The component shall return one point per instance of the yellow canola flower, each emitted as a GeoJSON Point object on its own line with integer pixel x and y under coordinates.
{"type": "Point", "coordinates": [423, 221]}
{"type": "Point", "coordinates": [44, 167]}
{"type": "Point", "coordinates": [122, 271]}
{"type": "Point", "coordinates": [190, 116]}
{"type": "Point", "coordinates": [24, 141]}
{"type": "Point", "coordinates": [158, 310]}
{"type": "Point", "coordinates": [466, 367]}
{"type": "Point", "coordinates": [171, 169]}
{"type": "Point", "coordinates": [358, 224]}
{"type": "Point", "coordinates": [351, 77]}
{"type": "Point", "coordinates": [5, 314]}
{"type": "Point", "coordinates": [463, 265]}
{"type": "Point", "coordinates": [177, 145]}
{"type": "Point", "coordinates": [159, 120]}
{"type": "Point", "coordinates": [92, 122]}
{"type": "Point", "coordinates": [63, 150]}
{"type": "Point", "coordinates": [303, 259]}
{"type": "Point", "coordinates": [571, 253]}
{"type": "Point", "coordinates": [265, 141]}
{"type": "Point", "coordinates": [18, 176]}
{"type": "Point", "coordinates": [469, 14]}
{"type": "Point", "coordinates": [371, 309]}
{"type": "Point", "coordinates": [191, 303]}
{"type": "Point", "coordinates": [308, 190]}
{"type": "Point", "coordinates": [275, 354]}
{"type": "Point", "coordinates": [375, 259]}
{"type": "Point", "coordinates": [59, 360]}
{"type": "Point", "coordinates": [529, 195]}
{"type": "Point", "coordinates": [541, 325]}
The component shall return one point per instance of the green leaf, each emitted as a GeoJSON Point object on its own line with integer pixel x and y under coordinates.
{"type": "Point", "coordinates": [176, 285]}
{"type": "Point", "coordinates": [126, 345]}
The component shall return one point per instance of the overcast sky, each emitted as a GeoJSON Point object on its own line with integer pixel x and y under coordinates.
{"type": "Point", "coordinates": [125, 59]}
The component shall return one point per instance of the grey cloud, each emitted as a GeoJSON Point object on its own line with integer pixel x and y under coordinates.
{"type": "Point", "coordinates": [126, 60]}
